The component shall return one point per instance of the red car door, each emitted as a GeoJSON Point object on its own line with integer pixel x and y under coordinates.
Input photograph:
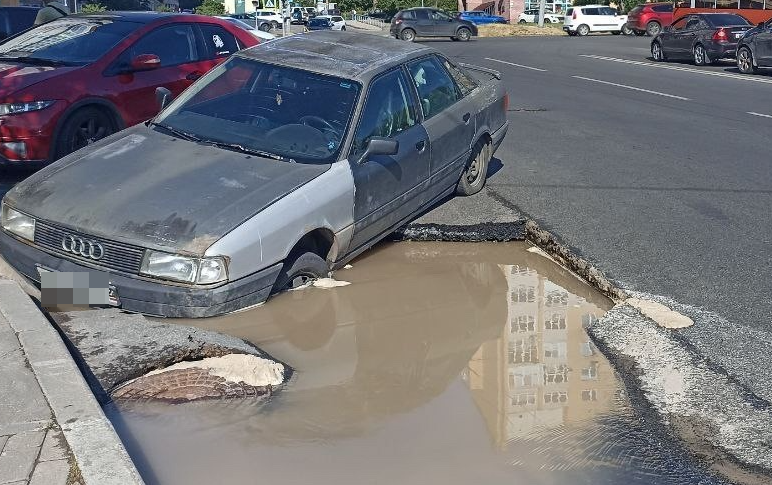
{"type": "Point", "coordinates": [182, 61]}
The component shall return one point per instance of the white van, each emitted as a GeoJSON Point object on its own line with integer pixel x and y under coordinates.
{"type": "Point", "coordinates": [593, 18]}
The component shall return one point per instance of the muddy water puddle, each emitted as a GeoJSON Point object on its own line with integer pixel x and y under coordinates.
{"type": "Point", "coordinates": [440, 363]}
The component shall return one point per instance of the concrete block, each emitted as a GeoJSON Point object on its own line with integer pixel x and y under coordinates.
{"type": "Point", "coordinates": [51, 473]}
{"type": "Point", "coordinates": [54, 446]}
{"type": "Point", "coordinates": [18, 457]}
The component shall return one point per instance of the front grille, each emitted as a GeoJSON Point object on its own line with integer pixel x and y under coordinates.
{"type": "Point", "coordinates": [118, 256]}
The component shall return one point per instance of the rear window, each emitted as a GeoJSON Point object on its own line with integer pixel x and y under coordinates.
{"type": "Point", "coordinates": [318, 23]}
{"type": "Point", "coordinates": [725, 19]}
{"type": "Point", "coordinates": [663, 8]}
{"type": "Point", "coordinates": [406, 15]}
{"type": "Point", "coordinates": [569, 12]}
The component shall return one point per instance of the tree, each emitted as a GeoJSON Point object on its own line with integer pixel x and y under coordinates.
{"type": "Point", "coordinates": [211, 7]}
{"type": "Point", "coordinates": [92, 8]}
{"type": "Point", "coordinates": [163, 8]}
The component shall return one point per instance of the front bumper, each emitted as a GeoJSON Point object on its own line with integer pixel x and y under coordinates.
{"type": "Point", "coordinates": [149, 297]}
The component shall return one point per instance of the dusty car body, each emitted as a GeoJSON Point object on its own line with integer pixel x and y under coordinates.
{"type": "Point", "coordinates": [276, 167]}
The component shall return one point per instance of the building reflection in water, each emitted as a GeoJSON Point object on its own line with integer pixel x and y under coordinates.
{"type": "Point", "coordinates": [543, 372]}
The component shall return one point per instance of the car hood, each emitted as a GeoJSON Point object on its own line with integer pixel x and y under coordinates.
{"type": "Point", "coordinates": [149, 189]}
{"type": "Point", "coordinates": [15, 76]}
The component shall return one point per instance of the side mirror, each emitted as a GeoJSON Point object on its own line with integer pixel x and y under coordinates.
{"type": "Point", "coordinates": [162, 97]}
{"type": "Point", "coordinates": [145, 62]}
{"type": "Point", "coordinates": [379, 146]}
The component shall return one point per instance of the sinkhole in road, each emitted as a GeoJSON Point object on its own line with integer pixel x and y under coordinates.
{"type": "Point", "coordinates": [449, 363]}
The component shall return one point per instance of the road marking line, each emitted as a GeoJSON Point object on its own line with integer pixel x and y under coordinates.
{"type": "Point", "coordinates": [759, 114]}
{"type": "Point", "coordinates": [739, 77]}
{"type": "Point", "coordinates": [516, 65]}
{"type": "Point", "coordinates": [633, 88]}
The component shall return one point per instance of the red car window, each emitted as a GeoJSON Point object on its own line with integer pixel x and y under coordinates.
{"type": "Point", "coordinates": [219, 42]}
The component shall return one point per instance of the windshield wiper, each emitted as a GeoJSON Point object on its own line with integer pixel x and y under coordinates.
{"type": "Point", "coordinates": [176, 132]}
{"type": "Point", "coordinates": [36, 60]}
{"type": "Point", "coordinates": [249, 151]}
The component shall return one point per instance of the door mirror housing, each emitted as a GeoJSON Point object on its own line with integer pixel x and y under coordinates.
{"type": "Point", "coordinates": [162, 97]}
{"type": "Point", "coordinates": [379, 145]}
{"type": "Point", "coordinates": [145, 62]}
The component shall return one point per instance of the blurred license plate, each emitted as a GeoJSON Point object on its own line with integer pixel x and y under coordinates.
{"type": "Point", "coordinates": [76, 288]}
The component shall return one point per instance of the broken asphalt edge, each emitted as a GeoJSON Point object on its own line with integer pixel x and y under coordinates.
{"type": "Point", "coordinates": [100, 455]}
{"type": "Point", "coordinates": [724, 458]}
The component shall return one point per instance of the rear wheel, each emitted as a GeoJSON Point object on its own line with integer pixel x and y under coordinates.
{"type": "Point", "coordinates": [82, 128]}
{"type": "Point", "coordinates": [583, 30]}
{"type": "Point", "coordinates": [300, 270]}
{"type": "Point", "coordinates": [653, 28]}
{"type": "Point", "coordinates": [408, 35]}
{"type": "Point", "coordinates": [701, 57]}
{"type": "Point", "coordinates": [547, 21]}
{"type": "Point", "coordinates": [745, 61]}
{"type": "Point", "coordinates": [464, 34]}
{"type": "Point", "coordinates": [521, 21]}
{"type": "Point", "coordinates": [656, 52]}
{"type": "Point", "coordinates": [476, 171]}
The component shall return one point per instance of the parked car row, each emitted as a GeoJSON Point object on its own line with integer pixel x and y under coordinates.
{"type": "Point", "coordinates": [532, 16]}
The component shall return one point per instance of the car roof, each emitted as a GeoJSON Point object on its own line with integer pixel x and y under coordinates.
{"type": "Point", "coordinates": [346, 54]}
{"type": "Point", "coordinates": [140, 17]}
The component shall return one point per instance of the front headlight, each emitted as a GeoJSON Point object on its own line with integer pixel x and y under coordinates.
{"type": "Point", "coordinates": [13, 108]}
{"type": "Point", "coordinates": [20, 224]}
{"type": "Point", "coordinates": [203, 271]}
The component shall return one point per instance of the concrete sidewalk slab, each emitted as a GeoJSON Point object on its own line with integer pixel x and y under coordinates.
{"type": "Point", "coordinates": [50, 391]}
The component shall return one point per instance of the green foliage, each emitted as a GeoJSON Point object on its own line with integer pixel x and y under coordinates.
{"type": "Point", "coordinates": [361, 6]}
{"type": "Point", "coordinates": [93, 8]}
{"type": "Point", "coordinates": [627, 5]}
{"type": "Point", "coordinates": [211, 7]}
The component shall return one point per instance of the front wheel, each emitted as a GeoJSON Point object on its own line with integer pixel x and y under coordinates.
{"type": "Point", "coordinates": [656, 52]}
{"type": "Point", "coordinates": [745, 61]}
{"type": "Point", "coordinates": [547, 21]}
{"type": "Point", "coordinates": [521, 21]}
{"type": "Point", "coordinates": [476, 171]}
{"type": "Point", "coordinates": [626, 30]}
{"type": "Point", "coordinates": [408, 35]}
{"type": "Point", "coordinates": [653, 28]}
{"type": "Point", "coordinates": [300, 270]}
{"type": "Point", "coordinates": [583, 30]}
{"type": "Point", "coordinates": [82, 128]}
{"type": "Point", "coordinates": [343, 29]}
{"type": "Point", "coordinates": [265, 27]}
{"type": "Point", "coordinates": [701, 57]}
{"type": "Point", "coordinates": [464, 34]}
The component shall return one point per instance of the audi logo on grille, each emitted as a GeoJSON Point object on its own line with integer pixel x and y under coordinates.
{"type": "Point", "coordinates": [82, 247]}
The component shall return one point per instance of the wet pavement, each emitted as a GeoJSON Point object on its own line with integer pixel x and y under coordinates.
{"type": "Point", "coordinates": [440, 362]}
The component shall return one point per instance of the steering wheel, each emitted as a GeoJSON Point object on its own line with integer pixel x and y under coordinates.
{"type": "Point", "coordinates": [310, 120]}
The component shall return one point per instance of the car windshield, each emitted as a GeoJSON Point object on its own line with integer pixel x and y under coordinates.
{"type": "Point", "coordinates": [69, 40]}
{"type": "Point", "coordinates": [718, 20]}
{"type": "Point", "coordinates": [272, 110]}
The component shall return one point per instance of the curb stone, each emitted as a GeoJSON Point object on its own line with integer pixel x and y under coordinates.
{"type": "Point", "coordinates": [99, 453]}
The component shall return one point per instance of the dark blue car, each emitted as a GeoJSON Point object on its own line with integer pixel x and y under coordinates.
{"type": "Point", "coordinates": [479, 17]}
{"type": "Point", "coordinates": [319, 24]}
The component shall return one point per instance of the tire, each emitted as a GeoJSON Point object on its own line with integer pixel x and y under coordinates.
{"type": "Point", "coordinates": [626, 30]}
{"type": "Point", "coordinates": [583, 30]}
{"type": "Point", "coordinates": [745, 61]}
{"type": "Point", "coordinates": [639, 33]}
{"type": "Point", "coordinates": [700, 56]}
{"type": "Point", "coordinates": [653, 28]}
{"type": "Point", "coordinates": [616, 32]}
{"type": "Point", "coordinates": [656, 52]}
{"type": "Point", "coordinates": [343, 29]}
{"type": "Point", "coordinates": [476, 171]}
{"type": "Point", "coordinates": [408, 35]}
{"type": "Point", "coordinates": [265, 27]}
{"type": "Point", "coordinates": [300, 269]}
{"type": "Point", "coordinates": [82, 128]}
{"type": "Point", "coordinates": [547, 21]}
{"type": "Point", "coordinates": [463, 34]}
{"type": "Point", "coordinates": [521, 21]}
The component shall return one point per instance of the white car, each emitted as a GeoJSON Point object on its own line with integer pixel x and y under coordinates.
{"type": "Point", "coordinates": [269, 16]}
{"type": "Point", "coordinates": [532, 16]}
{"type": "Point", "coordinates": [262, 35]}
{"type": "Point", "coordinates": [338, 22]}
{"type": "Point", "coordinates": [593, 18]}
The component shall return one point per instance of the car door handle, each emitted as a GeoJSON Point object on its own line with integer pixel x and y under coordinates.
{"type": "Point", "coordinates": [466, 118]}
{"type": "Point", "coordinates": [193, 76]}
{"type": "Point", "coordinates": [421, 146]}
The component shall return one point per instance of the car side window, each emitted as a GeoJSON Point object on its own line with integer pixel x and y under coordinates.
{"type": "Point", "coordinates": [435, 87]}
{"type": "Point", "coordinates": [680, 24]}
{"type": "Point", "coordinates": [590, 11]}
{"type": "Point", "coordinates": [438, 16]}
{"type": "Point", "coordinates": [407, 15]}
{"type": "Point", "coordinates": [174, 44]}
{"type": "Point", "coordinates": [464, 83]}
{"type": "Point", "coordinates": [219, 42]}
{"type": "Point", "coordinates": [692, 24]}
{"type": "Point", "coordinates": [388, 110]}
{"type": "Point", "coordinates": [421, 14]}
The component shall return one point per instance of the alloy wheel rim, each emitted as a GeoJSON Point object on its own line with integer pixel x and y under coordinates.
{"type": "Point", "coordinates": [744, 60]}
{"type": "Point", "coordinates": [89, 132]}
{"type": "Point", "coordinates": [699, 55]}
{"type": "Point", "coordinates": [657, 52]}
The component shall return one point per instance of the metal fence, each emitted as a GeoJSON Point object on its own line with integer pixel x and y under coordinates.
{"type": "Point", "coordinates": [369, 21]}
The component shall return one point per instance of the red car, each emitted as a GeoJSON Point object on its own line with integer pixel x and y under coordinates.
{"type": "Point", "coordinates": [649, 18]}
{"type": "Point", "coordinates": [70, 82]}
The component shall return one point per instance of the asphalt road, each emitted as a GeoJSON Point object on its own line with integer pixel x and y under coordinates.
{"type": "Point", "coordinates": [657, 173]}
